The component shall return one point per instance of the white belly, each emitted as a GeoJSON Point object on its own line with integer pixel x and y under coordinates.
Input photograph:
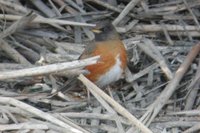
{"type": "Point", "coordinates": [112, 75]}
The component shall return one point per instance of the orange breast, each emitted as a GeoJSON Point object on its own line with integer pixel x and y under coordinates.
{"type": "Point", "coordinates": [108, 52]}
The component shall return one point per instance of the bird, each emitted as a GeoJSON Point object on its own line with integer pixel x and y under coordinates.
{"type": "Point", "coordinates": [113, 57]}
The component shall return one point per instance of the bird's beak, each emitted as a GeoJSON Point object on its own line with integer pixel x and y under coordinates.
{"type": "Point", "coordinates": [96, 31]}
